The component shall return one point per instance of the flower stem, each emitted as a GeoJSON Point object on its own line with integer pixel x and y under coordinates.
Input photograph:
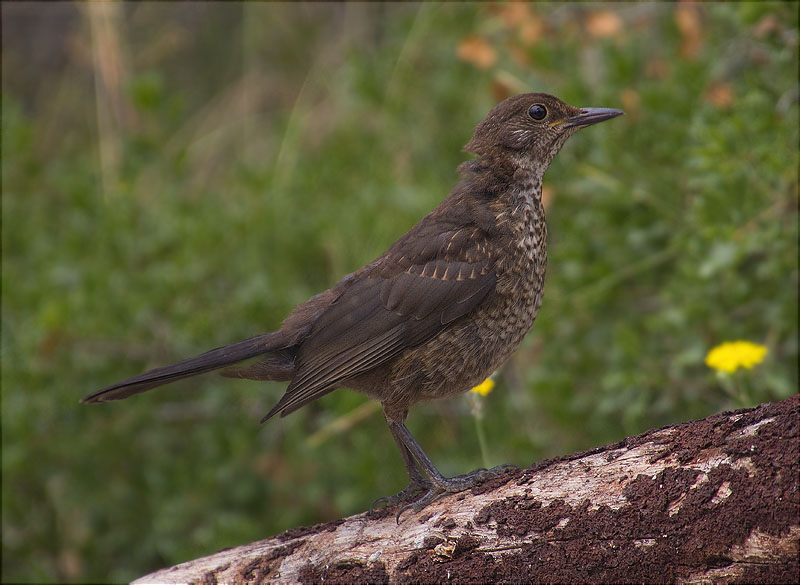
{"type": "Point", "coordinates": [477, 415]}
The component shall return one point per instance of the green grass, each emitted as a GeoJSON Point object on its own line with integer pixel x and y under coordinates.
{"type": "Point", "coordinates": [245, 157]}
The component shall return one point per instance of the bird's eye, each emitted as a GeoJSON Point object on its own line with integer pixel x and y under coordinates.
{"type": "Point", "coordinates": [537, 111]}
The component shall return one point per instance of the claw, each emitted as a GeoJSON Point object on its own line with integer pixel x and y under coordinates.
{"type": "Point", "coordinates": [432, 495]}
{"type": "Point", "coordinates": [400, 513]}
{"type": "Point", "coordinates": [379, 501]}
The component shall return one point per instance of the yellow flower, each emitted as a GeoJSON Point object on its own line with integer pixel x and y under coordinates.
{"type": "Point", "coordinates": [484, 387]}
{"type": "Point", "coordinates": [732, 355]}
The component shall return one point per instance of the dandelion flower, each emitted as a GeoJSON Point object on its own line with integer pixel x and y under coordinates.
{"type": "Point", "coordinates": [732, 355]}
{"type": "Point", "coordinates": [484, 387]}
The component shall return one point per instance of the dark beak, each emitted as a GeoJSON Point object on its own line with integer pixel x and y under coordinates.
{"type": "Point", "coordinates": [589, 116]}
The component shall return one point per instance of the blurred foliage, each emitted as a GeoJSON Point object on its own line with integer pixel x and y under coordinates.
{"type": "Point", "coordinates": [178, 176]}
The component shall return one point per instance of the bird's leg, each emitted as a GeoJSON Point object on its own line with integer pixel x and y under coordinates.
{"type": "Point", "coordinates": [439, 484]}
{"type": "Point", "coordinates": [417, 483]}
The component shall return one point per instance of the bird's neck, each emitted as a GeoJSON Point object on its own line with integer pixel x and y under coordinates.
{"type": "Point", "coordinates": [507, 184]}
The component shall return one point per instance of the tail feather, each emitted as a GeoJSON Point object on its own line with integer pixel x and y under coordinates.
{"type": "Point", "coordinates": [277, 366]}
{"type": "Point", "coordinates": [206, 362]}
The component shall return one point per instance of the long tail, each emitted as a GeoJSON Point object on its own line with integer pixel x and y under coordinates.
{"type": "Point", "coordinates": [206, 362]}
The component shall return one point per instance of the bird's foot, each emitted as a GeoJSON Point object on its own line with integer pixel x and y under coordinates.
{"type": "Point", "coordinates": [441, 486]}
{"type": "Point", "coordinates": [416, 487]}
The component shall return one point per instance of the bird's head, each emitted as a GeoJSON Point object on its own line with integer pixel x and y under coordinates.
{"type": "Point", "coordinates": [532, 128]}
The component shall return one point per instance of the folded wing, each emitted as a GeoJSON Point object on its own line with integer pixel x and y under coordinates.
{"type": "Point", "coordinates": [396, 304]}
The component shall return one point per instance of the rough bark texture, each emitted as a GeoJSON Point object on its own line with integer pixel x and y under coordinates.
{"type": "Point", "coordinates": [709, 501]}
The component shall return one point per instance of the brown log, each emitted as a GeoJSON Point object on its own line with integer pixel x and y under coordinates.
{"type": "Point", "coordinates": [708, 501]}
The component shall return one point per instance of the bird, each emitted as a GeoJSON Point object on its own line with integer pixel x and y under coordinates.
{"type": "Point", "coordinates": [440, 310]}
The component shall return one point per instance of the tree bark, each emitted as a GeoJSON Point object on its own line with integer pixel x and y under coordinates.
{"type": "Point", "coordinates": [709, 501]}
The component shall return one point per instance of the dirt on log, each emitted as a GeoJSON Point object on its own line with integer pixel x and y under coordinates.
{"type": "Point", "coordinates": [708, 501]}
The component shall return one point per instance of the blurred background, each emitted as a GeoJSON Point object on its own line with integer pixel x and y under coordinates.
{"type": "Point", "coordinates": [176, 177]}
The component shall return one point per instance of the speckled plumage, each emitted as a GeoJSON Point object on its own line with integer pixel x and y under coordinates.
{"type": "Point", "coordinates": [440, 310]}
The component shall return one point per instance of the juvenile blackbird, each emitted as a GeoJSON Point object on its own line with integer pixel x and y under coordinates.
{"type": "Point", "coordinates": [437, 312]}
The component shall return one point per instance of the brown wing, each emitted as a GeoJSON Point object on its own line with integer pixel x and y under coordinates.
{"type": "Point", "coordinates": [398, 302]}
